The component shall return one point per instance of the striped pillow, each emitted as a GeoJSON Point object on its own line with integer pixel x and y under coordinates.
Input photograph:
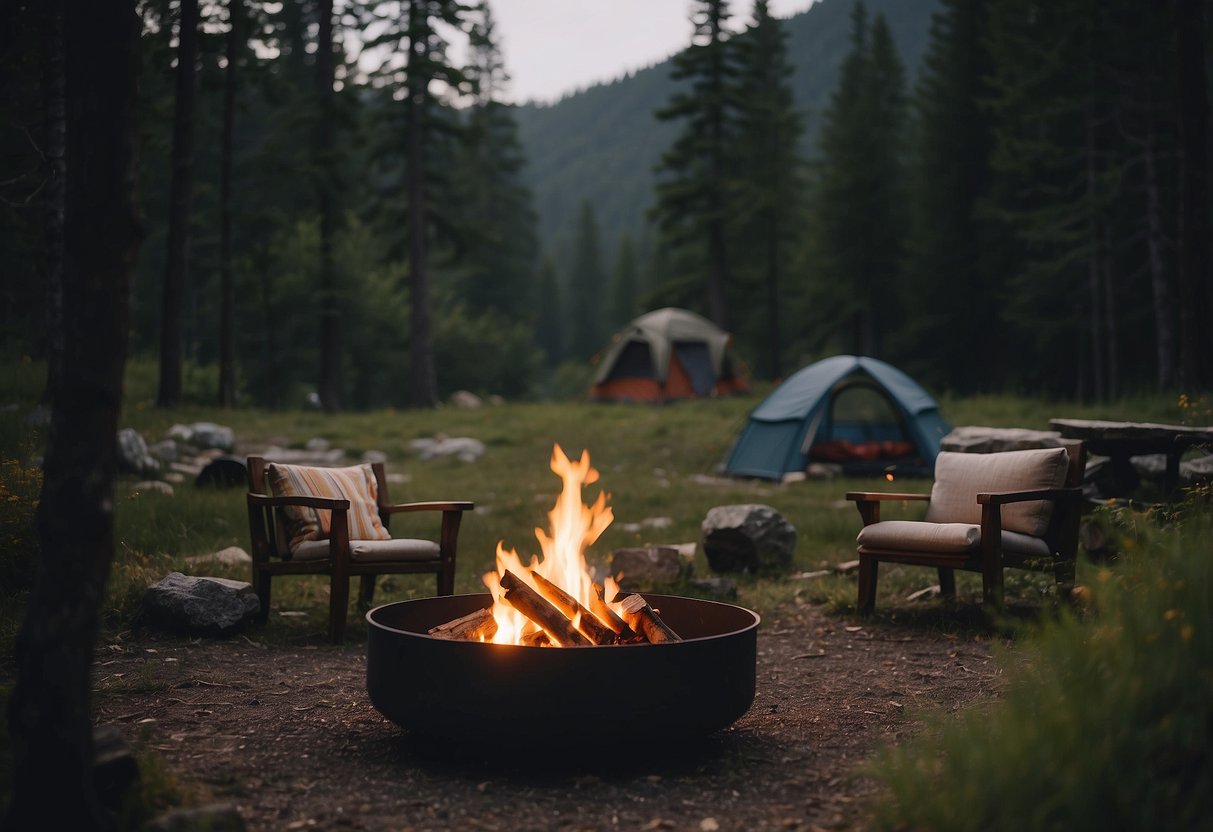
{"type": "Point", "coordinates": [356, 484]}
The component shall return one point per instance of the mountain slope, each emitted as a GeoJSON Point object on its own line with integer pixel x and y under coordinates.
{"type": "Point", "coordinates": [602, 144]}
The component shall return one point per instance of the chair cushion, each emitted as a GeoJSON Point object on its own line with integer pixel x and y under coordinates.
{"type": "Point", "coordinates": [356, 484]}
{"type": "Point", "coordinates": [396, 550]}
{"type": "Point", "coordinates": [949, 538]}
{"type": "Point", "coordinates": [960, 477]}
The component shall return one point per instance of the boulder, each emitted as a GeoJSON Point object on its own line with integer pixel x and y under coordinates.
{"type": "Point", "coordinates": [466, 400]}
{"type": "Point", "coordinates": [977, 439]}
{"type": "Point", "coordinates": [150, 486]}
{"type": "Point", "coordinates": [223, 472]}
{"type": "Point", "coordinates": [463, 447]}
{"type": "Point", "coordinates": [200, 605]}
{"type": "Point", "coordinates": [165, 450]}
{"type": "Point", "coordinates": [133, 455]}
{"type": "Point", "coordinates": [648, 566]}
{"type": "Point", "coordinates": [748, 538]}
{"type": "Point", "coordinates": [205, 435]}
{"type": "Point", "coordinates": [718, 588]}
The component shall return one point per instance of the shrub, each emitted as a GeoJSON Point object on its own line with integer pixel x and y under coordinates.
{"type": "Point", "coordinates": [1106, 722]}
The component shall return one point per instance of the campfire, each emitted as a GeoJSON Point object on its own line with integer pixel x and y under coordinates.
{"type": "Point", "coordinates": [555, 601]}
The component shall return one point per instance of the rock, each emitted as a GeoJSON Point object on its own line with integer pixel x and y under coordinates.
{"type": "Point", "coordinates": [165, 451]}
{"type": "Point", "coordinates": [318, 444]}
{"type": "Point", "coordinates": [465, 448]}
{"type": "Point", "coordinates": [205, 435]}
{"type": "Point", "coordinates": [466, 400]}
{"type": "Point", "coordinates": [115, 769]}
{"type": "Point", "coordinates": [719, 588]}
{"type": "Point", "coordinates": [372, 457]}
{"type": "Point", "coordinates": [648, 566]}
{"type": "Point", "coordinates": [748, 538]}
{"type": "Point", "coordinates": [223, 472]}
{"type": "Point", "coordinates": [977, 439]}
{"type": "Point", "coordinates": [231, 556]}
{"type": "Point", "coordinates": [150, 486]}
{"type": "Point", "coordinates": [200, 605]}
{"type": "Point", "coordinates": [133, 455]}
{"type": "Point", "coordinates": [219, 817]}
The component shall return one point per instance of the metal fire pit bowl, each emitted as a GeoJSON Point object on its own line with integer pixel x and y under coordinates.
{"type": "Point", "coordinates": [463, 691]}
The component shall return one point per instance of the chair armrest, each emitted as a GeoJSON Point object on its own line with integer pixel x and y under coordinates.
{"type": "Point", "coordinates": [255, 499]}
{"type": "Point", "coordinates": [399, 508]}
{"type": "Point", "coordinates": [868, 502]}
{"type": "Point", "coordinates": [867, 496]}
{"type": "Point", "coordinates": [999, 498]}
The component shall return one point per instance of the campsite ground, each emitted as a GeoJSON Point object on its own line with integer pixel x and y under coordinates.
{"type": "Point", "coordinates": [287, 734]}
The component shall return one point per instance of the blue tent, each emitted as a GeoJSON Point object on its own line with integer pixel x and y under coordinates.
{"type": "Point", "coordinates": [851, 410]}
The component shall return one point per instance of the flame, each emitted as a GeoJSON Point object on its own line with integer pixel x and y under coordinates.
{"type": "Point", "coordinates": [573, 527]}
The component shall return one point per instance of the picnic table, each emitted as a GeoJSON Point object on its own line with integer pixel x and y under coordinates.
{"type": "Point", "coordinates": [1121, 440]}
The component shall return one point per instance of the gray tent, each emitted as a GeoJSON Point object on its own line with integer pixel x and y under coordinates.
{"type": "Point", "coordinates": [855, 411]}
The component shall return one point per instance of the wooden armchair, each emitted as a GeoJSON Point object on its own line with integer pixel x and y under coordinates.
{"type": "Point", "coordinates": [985, 512]}
{"type": "Point", "coordinates": [334, 521]}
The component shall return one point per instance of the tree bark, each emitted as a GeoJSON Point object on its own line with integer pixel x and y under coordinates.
{"type": "Point", "coordinates": [424, 386]}
{"type": "Point", "coordinates": [227, 298]}
{"type": "Point", "coordinates": [56, 138]}
{"type": "Point", "coordinates": [1195, 286]}
{"type": "Point", "coordinates": [49, 716]}
{"type": "Point", "coordinates": [330, 318]}
{"type": "Point", "coordinates": [176, 272]}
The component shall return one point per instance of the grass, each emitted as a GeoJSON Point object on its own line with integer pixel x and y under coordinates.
{"type": "Point", "coordinates": [1107, 718]}
{"type": "Point", "coordinates": [659, 462]}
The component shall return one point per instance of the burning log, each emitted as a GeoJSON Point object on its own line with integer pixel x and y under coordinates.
{"type": "Point", "coordinates": [534, 606]}
{"type": "Point", "coordinates": [588, 623]}
{"type": "Point", "coordinates": [470, 627]}
{"type": "Point", "coordinates": [608, 615]}
{"type": "Point", "coordinates": [536, 639]}
{"type": "Point", "coordinates": [644, 619]}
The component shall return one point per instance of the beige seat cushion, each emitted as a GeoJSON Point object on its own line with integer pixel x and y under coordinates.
{"type": "Point", "coordinates": [950, 538]}
{"type": "Point", "coordinates": [960, 477]}
{"type": "Point", "coordinates": [356, 484]}
{"type": "Point", "coordinates": [397, 549]}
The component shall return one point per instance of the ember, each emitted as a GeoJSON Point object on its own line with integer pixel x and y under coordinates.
{"type": "Point", "coordinates": [555, 601]}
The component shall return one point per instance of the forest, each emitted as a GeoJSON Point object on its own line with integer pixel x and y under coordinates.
{"type": "Point", "coordinates": [335, 202]}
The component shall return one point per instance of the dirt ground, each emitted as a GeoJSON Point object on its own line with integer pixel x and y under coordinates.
{"type": "Point", "coordinates": [288, 736]}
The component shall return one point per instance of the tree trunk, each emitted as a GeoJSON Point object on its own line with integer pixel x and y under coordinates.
{"type": "Point", "coordinates": [1196, 303]}
{"type": "Point", "coordinates": [424, 386]}
{"type": "Point", "coordinates": [56, 137]}
{"type": "Point", "coordinates": [773, 337]}
{"type": "Point", "coordinates": [180, 192]}
{"type": "Point", "coordinates": [1094, 276]}
{"type": "Point", "coordinates": [49, 716]}
{"type": "Point", "coordinates": [227, 299]}
{"type": "Point", "coordinates": [717, 254]}
{"type": "Point", "coordinates": [330, 316]}
{"type": "Point", "coordinates": [1160, 284]}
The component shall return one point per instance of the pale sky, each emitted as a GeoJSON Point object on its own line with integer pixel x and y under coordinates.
{"type": "Point", "coordinates": [555, 47]}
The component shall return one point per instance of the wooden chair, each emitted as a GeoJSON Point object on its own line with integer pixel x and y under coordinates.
{"type": "Point", "coordinates": [986, 512]}
{"type": "Point", "coordinates": [338, 556]}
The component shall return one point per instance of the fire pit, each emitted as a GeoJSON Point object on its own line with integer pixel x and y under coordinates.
{"type": "Point", "coordinates": [552, 657]}
{"type": "Point", "coordinates": [470, 691]}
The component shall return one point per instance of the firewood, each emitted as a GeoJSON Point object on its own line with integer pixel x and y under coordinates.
{"type": "Point", "coordinates": [587, 623]}
{"type": "Point", "coordinates": [534, 606]}
{"type": "Point", "coordinates": [610, 617]}
{"type": "Point", "coordinates": [538, 638]}
{"type": "Point", "coordinates": [468, 627]}
{"type": "Point", "coordinates": [644, 619]}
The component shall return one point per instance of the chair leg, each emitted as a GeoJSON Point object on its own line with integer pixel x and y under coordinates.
{"type": "Point", "coordinates": [261, 584]}
{"type": "Point", "coordinates": [991, 586]}
{"type": "Point", "coordinates": [366, 592]}
{"type": "Point", "coordinates": [868, 568]}
{"type": "Point", "coordinates": [947, 583]}
{"type": "Point", "coordinates": [446, 577]}
{"type": "Point", "coordinates": [339, 601]}
{"type": "Point", "coordinates": [1065, 572]}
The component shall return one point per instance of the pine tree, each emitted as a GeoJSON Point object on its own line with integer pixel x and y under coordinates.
{"type": "Point", "coordinates": [953, 252]}
{"type": "Point", "coordinates": [416, 70]}
{"type": "Point", "coordinates": [496, 215]}
{"type": "Point", "coordinates": [692, 207]}
{"type": "Point", "coordinates": [587, 288]}
{"type": "Point", "coordinates": [176, 271]}
{"type": "Point", "coordinates": [858, 224]}
{"type": "Point", "coordinates": [623, 303]}
{"type": "Point", "coordinates": [769, 181]}
{"type": "Point", "coordinates": [550, 314]}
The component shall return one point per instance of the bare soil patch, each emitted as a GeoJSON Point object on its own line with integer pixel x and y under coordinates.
{"type": "Point", "coordinates": [288, 735]}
